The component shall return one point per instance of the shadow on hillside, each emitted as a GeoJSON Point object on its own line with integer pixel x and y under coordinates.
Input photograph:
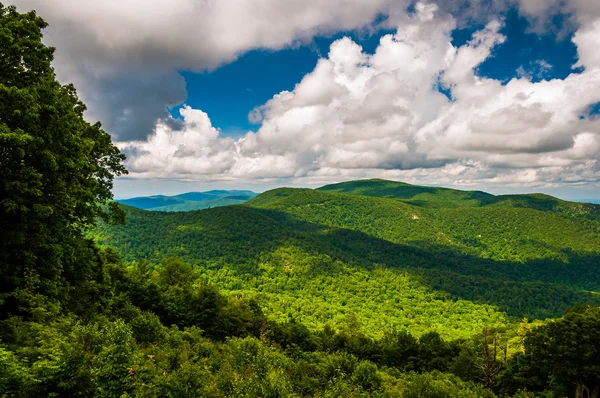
{"type": "Point", "coordinates": [537, 288]}
{"type": "Point", "coordinates": [396, 190]}
{"type": "Point", "coordinates": [241, 237]}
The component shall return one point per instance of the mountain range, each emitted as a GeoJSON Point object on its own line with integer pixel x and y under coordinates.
{"type": "Point", "coordinates": [396, 255]}
{"type": "Point", "coordinates": [189, 201]}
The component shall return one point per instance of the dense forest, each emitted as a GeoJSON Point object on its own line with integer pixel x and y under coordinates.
{"type": "Point", "coordinates": [364, 289]}
{"type": "Point", "coordinates": [318, 256]}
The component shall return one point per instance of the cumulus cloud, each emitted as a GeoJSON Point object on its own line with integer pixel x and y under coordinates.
{"type": "Point", "coordinates": [356, 114]}
{"type": "Point", "coordinates": [124, 56]}
{"type": "Point", "coordinates": [383, 114]}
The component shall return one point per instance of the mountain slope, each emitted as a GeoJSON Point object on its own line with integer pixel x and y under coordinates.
{"type": "Point", "coordinates": [304, 272]}
{"type": "Point", "coordinates": [438, 197]}
{"type": "Point", "coordinates": [547, 242]}
{"type": "Point", "coordinates": [320, 256]}
{"type": "Point", "coordinates": [414, 194]}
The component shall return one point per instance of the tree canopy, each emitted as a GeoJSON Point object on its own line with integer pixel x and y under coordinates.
{"type": "Point", "coordinates": [56, 171]}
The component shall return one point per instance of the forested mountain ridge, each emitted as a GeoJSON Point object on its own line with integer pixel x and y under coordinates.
{"type": "Point", "coordinates": [416, 194]}
{"type": "Point", "coordinates": [505, 230]}
{"type": "Point", "coordinates": [427, 196]}
{"type": "Point", "coordinates": [289, 244]}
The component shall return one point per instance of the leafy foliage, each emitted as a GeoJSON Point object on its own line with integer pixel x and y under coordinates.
{"type": "Point", "coordinates": [55, 171]}
{"type": "Point", "coordinates": [563, 354]}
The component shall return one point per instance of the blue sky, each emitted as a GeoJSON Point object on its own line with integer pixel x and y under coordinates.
{"type": "Point", "coordinates": [230, 92]}
{"type": "Point", "coordinates": [502, 95]}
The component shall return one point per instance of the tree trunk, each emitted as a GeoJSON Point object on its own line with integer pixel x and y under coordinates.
{"type": "Point", "coordinates": [595, 392]}
{"type": "Point", "coordinates": [579, 391]}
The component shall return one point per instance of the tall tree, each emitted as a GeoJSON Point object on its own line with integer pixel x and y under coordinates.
{"type": "Point", "coordinates": [565, 353]}
{"type": "Point", "coordinates": [56, 171]}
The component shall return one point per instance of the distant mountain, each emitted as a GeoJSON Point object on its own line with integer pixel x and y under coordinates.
{"type": "Point", "coordinates": [206, 204]}
{"type": "Point", "coordinates": [190, 200]}
{"type": "Point", "coordinates": [196, 196]}
{"type": "Point", "coordinates": [150, 202]}
{"type": "Point", "coordinates": [233, 192]}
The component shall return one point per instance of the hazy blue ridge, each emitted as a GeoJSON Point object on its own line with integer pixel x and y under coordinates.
{"type": "Point", "coordinates": [190, 200]}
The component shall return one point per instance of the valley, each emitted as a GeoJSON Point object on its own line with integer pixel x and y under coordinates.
{"type": "Point", "coordinates": [393, 254]}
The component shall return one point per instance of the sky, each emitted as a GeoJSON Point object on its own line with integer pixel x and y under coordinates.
{"type": "Point", "coordinates": [495, 95]}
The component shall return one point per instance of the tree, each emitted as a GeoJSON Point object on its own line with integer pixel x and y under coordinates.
{"type": "Point", "coordinates": [489, 364]}
{"type": "Point", "coordinates": [563, 354]}
{"type": "Point", "coordinates": [56, 172]}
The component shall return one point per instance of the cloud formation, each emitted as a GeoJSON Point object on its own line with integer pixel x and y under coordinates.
{"type": "Point", "coordinates": [356, 114]}
{"type": "Point", "coordinates": [383, 115]}
{"type": "Point", "coordinates": [124, 56]}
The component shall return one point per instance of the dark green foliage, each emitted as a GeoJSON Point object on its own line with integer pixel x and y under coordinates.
{"type": "Point", "coordinates": [525, 261]}
{"type": "Point", "coordinates": [435, 353]}
{"type": "Point", "coordinates": [563, 354]}
{"type": "Point", "coordinates": [438, 385]}
{"type": "Point", "coordinates": [175, 294]}
{"type": "Point", "coordinates": [367, 377]}
{"type": "Point", "coordinates": [55, 170]}
{"type": "Point", "coordinates": [147, 328]}
{"type": "Point", "coordinates": [134, 352]}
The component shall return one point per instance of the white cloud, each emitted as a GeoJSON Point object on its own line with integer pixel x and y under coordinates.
{"type": "Point", "coordinates": [198, 34]}
{"type": "Point", "coordinates": [124, 56]}
{"type": "Point", "coordinates": [355, 115]}
{"type": "Point", "coordinates": [358, 115]}
{"type": "Point", "coordinates": [587, 40]}
{"type": "Point", "coordinates": [574, 14]}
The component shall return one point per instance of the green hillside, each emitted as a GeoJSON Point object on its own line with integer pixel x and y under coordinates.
{"type": "Point", "coordinates": [438, 197]}
{"type": "Point", "coordinates": [500, 232]}
{"type": "Point", "coordinates": [414, 194]}
{"type": "Point", "coordinates": [319, 256]}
